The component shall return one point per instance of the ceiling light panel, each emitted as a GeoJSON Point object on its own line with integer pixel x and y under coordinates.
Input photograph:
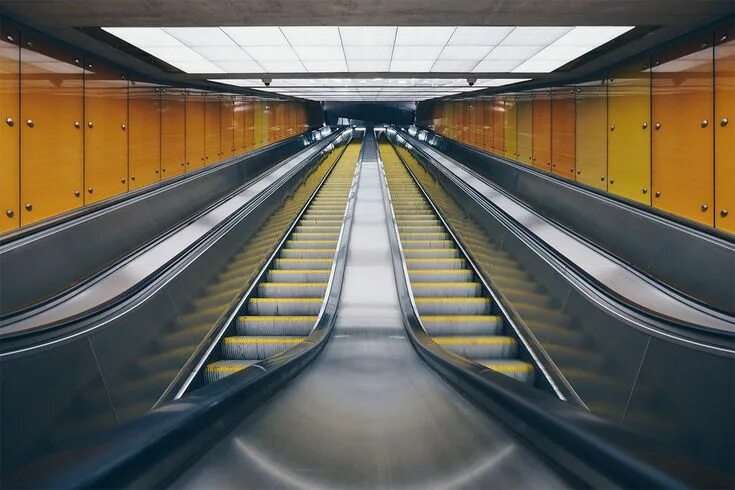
{"type": "Point", "coordinates": [423, 36]}
{"type": "Point", "coordinates": [410, 53]}
{"type": "Point", "coordinates": [312, 35]}
{"type": "Point", "coordinates": [325, 66]}
{"type": "Point", "coordinates": [411, 66]}
{"type": "Point", "coordinates": [464, 53]}
{"type": "Point", "coordinates": [368, 52]}
{"type": "Point", "coordinates": [200, 36]}
{"type": "Point", "coordinates": [256, 36]}
{"type": "Point", "coordinates": [368, 36]}
{"type": "Point", "coordinates": [479, 36]}
{"type": "Point", "coordinates": [223, 53]}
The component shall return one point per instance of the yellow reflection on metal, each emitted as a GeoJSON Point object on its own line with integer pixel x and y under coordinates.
{"type": "Point", "coordinates": [725, 127]}
{"type": "Point", "coordinates": [227, 127]}
{"type": "Point", "coordinates": [249, 126]}
{"type": "Point", "coordinates": [174, 122]}
{"type": "Point", "coordinates": [525, 130]}
{"type": "Point", "coordinates": [258, 123]}
{"type": "Point", "coordinates": [52, 134]}
{"type": "Point", "coordinates": [9, 128]}
{"type": "Point", "coordinates": [510, 128]}
{"type": "Point", "coordinates": [629, 131]}
{"type": "Point", "coordinates": [682, 112]}
{"type": "Point", "coordinates": [195, 149]}
{"type": "Point", "coordinates": [542, 131]}
{"type": "Point", "coordinates": [144, 106]}
{"type": "Point", "coordinates": [106, 136]}
{"type": "Point", "coordinates": [591, 141]}
{"type": "Point", "coordinates": [563, 127]}
{"type": "Point", "coordinates": [212, 141]}
{"type": "Point", "coordinates": [487, 125]}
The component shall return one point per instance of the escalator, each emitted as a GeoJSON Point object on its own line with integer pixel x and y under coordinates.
{"type": "Point", "coordinates": [454, 308]}
{"type": "Point", "coordinates": [339, 397]}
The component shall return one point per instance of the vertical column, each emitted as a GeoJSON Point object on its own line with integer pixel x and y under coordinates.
{"type": "Point", "coordinates": [195, 148]}
{"type": "Point", "coordinates": [212, 132]}
{"type": "Point", "coordinates": [510, 127]}
{"type": "Point", "coordinates": [525, 129]}
{"type": "Point", "coordinates": [249, 125]}
{"type": "Point", "coordinates": [227, 127]}
{"type": "Point", "coordinates": [487, 125]}
{"type": "Point", "coordinates": [498, 125]}
{"type": "Point", "coordinates": [238, 115]}
{"type": "Point", "coordinates": [542, 130]}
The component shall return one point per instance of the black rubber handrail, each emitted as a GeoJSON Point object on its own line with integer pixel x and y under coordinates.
{"type": "Point", "coordinates": [586, 449]}
{"type": "Point", "coordinates": [152, 450]}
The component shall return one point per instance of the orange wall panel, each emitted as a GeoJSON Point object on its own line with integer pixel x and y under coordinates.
{"type": "Point", "coordinates": [227, 127]}
{"type": "Point", "coordinates": [510, 128]}
{"type": "Point", "coordinates": [525, 130]}
{"type": "Point", "coordinates": [591, 135]}
{"type": "Point", "coordinates": [9, 128]}
{"type": "Point", "coordinates": [144, 111]}
{"type": "Point", "coordinates": [725, 127]}
{"type": "Point", "coordinates": [173, 132]}
{"type": "Point", "coordinates": [106, 137]}
{"type": "Point", "coordinates": [682, 111]}
{"type": "Point", "coordinates": [238, 115]}
{"type": "Point", "coordinates": [249, 125]}
{"type": "Point", "coordinates": [212, 139]}
{"type": "Point", "coordinates": [563, 139]}
{"type": "Point", "coordinates": [542, 131]}
{"type": "Point", "coordinates": [487, 125]}
{"type": "Point", "coordinates": [498, 125]}
{"type": "Point", "coordinates": [52, 134]}
{"type": "Point", "coordinates": [629, 131]}
{"type": "Point", "coordinates": [195, 149]}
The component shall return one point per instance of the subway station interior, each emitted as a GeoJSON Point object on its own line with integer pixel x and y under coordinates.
{"type": "Point", "coordinates": [396, 245]}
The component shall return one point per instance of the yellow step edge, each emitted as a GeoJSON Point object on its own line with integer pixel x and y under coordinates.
{"type": "Point", "coordinates": [521, 367]}
{"type": "Point", "coordinates": [268, 318]}
{"type": "Point", "coordinates": [451, 300]}
{"type": "Point", "coordinates": [225, 368]}
{"type": "Point", "coordinates": [474, 340]}
{"type": "Point", "coordinates": [297, 271]}
{"type": "Point", "coordinates": [263, 340]}
{"type": "Point", "coordinates": [456, 318]}
{"type": "Point", "coordinates": [444, 284]}
{"type": "Point", "coordinates": [293, 284]}
{"type": "Point", "coordinates": [438, 271]}
{"type": "Point", "coordinates": [286, 300]}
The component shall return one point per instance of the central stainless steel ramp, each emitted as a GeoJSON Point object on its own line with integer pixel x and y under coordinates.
{"type": "Point", "coordinates": [368, 413]}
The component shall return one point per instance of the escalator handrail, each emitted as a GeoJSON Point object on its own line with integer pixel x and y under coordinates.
{"type": "Point", "coordinates": [151, 450]}
{"type": "Point", "coordinates": [95, 318]}
{"type": "Point", "coordinates": [639, 317]}
{"type": "Point", "coordinates": [587, 449]}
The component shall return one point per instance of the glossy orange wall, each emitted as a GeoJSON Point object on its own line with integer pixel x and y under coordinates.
{"type": "Point", "coordinates": [541, 138]}
{"type": "Point", "coordinates": [498, 125]}
{"type": "Point", "coordinates": [75, 130]}
{"type": "Point", "coordinates": [656, 129]}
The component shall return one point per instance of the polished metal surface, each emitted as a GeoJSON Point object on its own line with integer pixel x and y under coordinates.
{"type": "Point", "coordinates": [626, 283]}
{"type": "Point", "coordinates": [136, 270]}
{"type": "Point", "coordinates": [369, 413]}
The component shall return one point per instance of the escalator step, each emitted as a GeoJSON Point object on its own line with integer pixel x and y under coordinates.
{"type": "Point", "coordinates": [275, 325]}
{"type": "Point", "coordinates": [522, 371]}
{"type": "Point", "coordinates": [480, 347]}
{"type": "Point", "coordinates": [298, 275]}
{"type": "Point", "coordinates": [453, 306]}
{"type": "Point", "coordinates": [221, 369]}
{"type": "Point", "coordinates": [284, 306]}
{"type": "Point", "coordinates": [260, 347]}
{"type": "Point", "coordinates": [461, 325]}
{"type": "Point", "coordinates": [317, 244]}
{"type": "Point", "coordinates": [304, 263]}
{"type": "Point", "coordinates": [446, 289]}
{"type": "Point", "coordinates": [422, 263]}
{"type": "Point", "coordinates": [433, 253]}
{"type": "Point", "coordinates": [308, 253]}
{"type": "Point", "coordinates": [439, 275]}
{"type": "Point", "coordinates": [292, 289]}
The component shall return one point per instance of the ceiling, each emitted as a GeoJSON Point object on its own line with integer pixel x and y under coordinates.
{"type": "Point", "coordinates": [467, 39]}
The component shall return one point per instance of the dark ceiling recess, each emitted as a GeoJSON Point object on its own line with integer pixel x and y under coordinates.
{"type": "Point", "coordinates": [400, 113]}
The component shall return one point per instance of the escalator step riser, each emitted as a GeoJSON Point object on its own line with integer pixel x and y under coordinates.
{"type": "Point", "coordinates": [275, 325]}
{"type": "Point", "coordinates": [221, 369]}
{"type": "Point", "coordinates": [249, 348]}
{"type": "Point", "coordinates": [314, 235]}
{"type": "Point", "coordinates": [308, 253]}
{"type": "Point", "coordinates": [522, 371]}
{"type": "Point", "coordinates": [280, 275]}
{"type": "Point", "coordinates": [473, 348]}
{"type": "Point", "coordinates": [462, 325]}
{"type": "Point", "coordinates": [446, 290]}
{"type": "Point", "coordinates": [301, 263]}
{"type": "Point", "coordinates": [427, 243]}
{"type": "Point", "coordinates": [452, 306]}
{"type": "Point", "coordinates": [317, 228]}
{"type": "Point", "coordinates": [411, 236]}
{"type": "Point", "coordinates": [419, 263]}
{"type": "Point", "coordinates": [291, 290]}
{"type": "Point", "coordinates": [284, 306]}
{"type": "Point", "coordinates": [433, 275]}
{"type": "Point", "coordinates": [431, 253]}
{"type": "Point", "coordinates": [317, 244]}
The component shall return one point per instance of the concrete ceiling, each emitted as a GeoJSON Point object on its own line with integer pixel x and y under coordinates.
{"type": "Point", "coordinates": [79, 13]}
